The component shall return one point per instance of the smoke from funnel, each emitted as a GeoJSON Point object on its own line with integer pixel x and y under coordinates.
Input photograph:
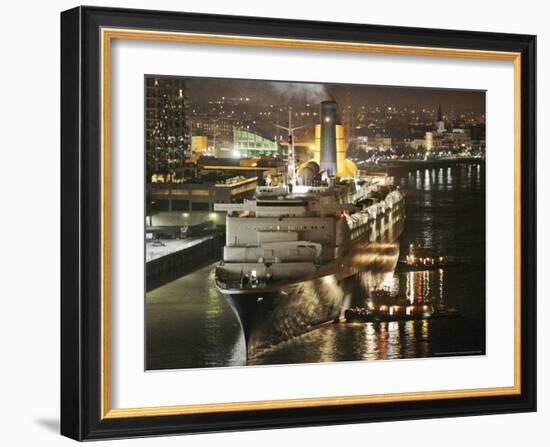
{"type": "Point", "coordinates": [313, 93]}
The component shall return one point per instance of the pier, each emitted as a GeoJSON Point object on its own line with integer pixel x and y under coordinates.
{"type": "Point", "coordinates": [170, 259]}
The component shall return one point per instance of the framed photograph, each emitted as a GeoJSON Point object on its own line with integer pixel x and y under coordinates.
{"type": "Point", "coordinates": [275, 223]}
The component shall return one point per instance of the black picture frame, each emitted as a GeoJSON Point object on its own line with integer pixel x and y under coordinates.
{"type": "Point", "coordinates": [81, 392]}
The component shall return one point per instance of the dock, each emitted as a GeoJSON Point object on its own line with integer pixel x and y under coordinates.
{"type": "Point", "coordinates": [169, 259]}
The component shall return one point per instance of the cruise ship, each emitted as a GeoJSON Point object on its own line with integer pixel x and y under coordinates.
{"type": "Point", "coordinates": [292, 250]}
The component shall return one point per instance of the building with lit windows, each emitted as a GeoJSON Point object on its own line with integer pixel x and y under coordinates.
{"type": "Point", "coordinates": [262, 169]}
{"type": "Point", "coordinates": [250, 144]}
{"type": "Point", "coordinates": [165, 124]}
{"type": "Point", "coordinates": [199, 145]}
{"type": "Point", "coordinates": [219, 131]}
{"type": "Point", "coordinates": [199, 194]}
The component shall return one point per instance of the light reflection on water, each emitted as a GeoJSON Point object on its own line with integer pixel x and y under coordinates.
{"type": "Point", "coordinates": [445, 210]}
{"type": "Point", "coordinates": [347, 342]}
{"type": "Point", "coordinates": [379, 340]}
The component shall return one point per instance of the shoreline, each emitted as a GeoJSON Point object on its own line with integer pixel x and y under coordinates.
{"type": "Point", "coordinates": [416, 164]}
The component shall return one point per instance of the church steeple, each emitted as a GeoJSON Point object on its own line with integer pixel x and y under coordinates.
{"type": "Point", "coordinates": [439, 123]}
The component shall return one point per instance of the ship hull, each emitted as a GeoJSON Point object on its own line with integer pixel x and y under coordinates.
{"type": "Point", "coordinates": [272, 316]}
{"type": "Point", "coordinates": [268, 319]}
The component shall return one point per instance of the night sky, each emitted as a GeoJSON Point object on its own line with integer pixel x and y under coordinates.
{"type": "Point", "coordinates": [200, 90]}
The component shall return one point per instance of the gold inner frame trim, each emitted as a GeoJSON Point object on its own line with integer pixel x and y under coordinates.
{"type": "Point", "coordinates": [107, 35]}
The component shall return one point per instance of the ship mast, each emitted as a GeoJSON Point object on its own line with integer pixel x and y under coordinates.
{"type": "Point", "coordinates": [291, 169]}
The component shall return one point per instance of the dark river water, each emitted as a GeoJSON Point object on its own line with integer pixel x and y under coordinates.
{"type": "Point", "coordinates": [190, 325]}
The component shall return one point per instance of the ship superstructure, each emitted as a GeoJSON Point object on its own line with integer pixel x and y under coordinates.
{"type": "Point", "coordinates": [280, 236]}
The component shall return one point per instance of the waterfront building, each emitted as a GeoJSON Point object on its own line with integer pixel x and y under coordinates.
{"type": "Point", "coordinates": [461, 138]}
{"type": "Point", "coordinates": [429, 141]}
{"type": "Point", "coordinates": [198, 194]}
{"type": "Point", "coordinates": [262, 168]}
{"type": "Point", "coordinates": [379, 142]}
{"type": "Point", "coordinates": [417, 143]}
{"type": "Point", "coordinates": [457, 139]}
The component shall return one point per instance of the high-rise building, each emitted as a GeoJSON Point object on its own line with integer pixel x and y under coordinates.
{"type": "Point", "coordinates": [167, 138]}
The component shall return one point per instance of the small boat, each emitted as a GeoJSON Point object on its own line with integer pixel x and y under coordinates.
{"type": "Point", "coordinates": [389, 313]}
{"type": "Point", "coordinates": [420, 258]}
{"type": "Point", "coordinates": [419, 311]}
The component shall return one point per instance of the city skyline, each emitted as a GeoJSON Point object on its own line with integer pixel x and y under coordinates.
{"type": "Point", "coordinates": [236, 118]}
{"type": "Point", "coordinates": [201, 91]}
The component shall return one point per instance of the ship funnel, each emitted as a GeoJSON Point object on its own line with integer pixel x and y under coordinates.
{"type": "Point", "coordinates": [328, 137]}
